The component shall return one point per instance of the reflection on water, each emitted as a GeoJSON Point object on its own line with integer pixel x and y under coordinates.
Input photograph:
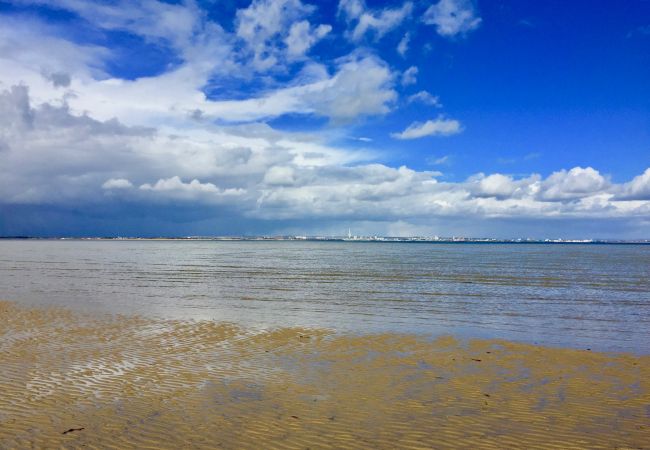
{"type": "Point", "coordinates": [595, 296]}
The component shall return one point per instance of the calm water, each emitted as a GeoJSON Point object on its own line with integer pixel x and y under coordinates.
{"type": "Point", "coordinates": [595, 296]}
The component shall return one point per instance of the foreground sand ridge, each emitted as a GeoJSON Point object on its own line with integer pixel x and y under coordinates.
{"type": "Point", "coordinates": [71, 380]}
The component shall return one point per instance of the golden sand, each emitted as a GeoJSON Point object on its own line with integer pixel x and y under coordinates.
{"type": "Point", "coordinates": [73, 380]}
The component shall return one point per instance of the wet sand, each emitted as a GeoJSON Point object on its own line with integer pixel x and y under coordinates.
{"type": "Point", "coordinates": [73, 380]}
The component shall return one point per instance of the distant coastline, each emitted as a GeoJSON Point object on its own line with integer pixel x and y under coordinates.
{"type": "Point", "coordinates": [378, 239]}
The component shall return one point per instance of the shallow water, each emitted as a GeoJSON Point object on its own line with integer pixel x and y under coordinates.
{"type": "Point", "coordinates": [595, 296]}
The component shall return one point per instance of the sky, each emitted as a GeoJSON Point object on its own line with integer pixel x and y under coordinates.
{"type": "Point", "coordinates": [453, 118]}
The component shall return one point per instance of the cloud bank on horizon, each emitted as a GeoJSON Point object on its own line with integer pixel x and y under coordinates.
{"type": "Point", "coordinates": [285, 116]}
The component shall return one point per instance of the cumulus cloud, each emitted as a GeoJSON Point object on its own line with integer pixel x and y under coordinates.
{"type": "Point", "coordinates": [426, 98]}
{"type": "Point", "coordinates": [452, 17]}
{"type": "Point", "coordinates": [280, 176]}
{"type": "Point", "coordinates": [375, 22]}
{"type": "Point", "coordinates": [403, 45]}
{"type": "Point", "coordinates": [360, 87]}
{"type": "Point", "coordinates": [376, 192]}
{"type": "Point", "coordinates": [497, 185]}
{"type": "Point", "coordinates": [262, 174]}
{"type": "Point", "coordinates": [504, 186]}
{"type": "Point", "coordinates": [107, 155]}
{"type": "Point", "coordinates": [74, 136]}
{"type": "Point", "coordinates": [410, 76]}
{"type": "Point", "coordinates": [117, 183]}
{"type": "Point", "coordinates": [174, 188]}
{"type": "Point", "coordinates": [175, 184]}
{"type": "Point", "coordinates": [575, 183]}
{"type": "Point", "coordinates": [181, 25]}
{"type": "Point", "coordinates": [382, 22]}
{"type": "Point", "coordinates": [302, 36]}
{"type": "Point", "coordinates": [637, 189]}
{"type": "Point", "coordinates": [270, 30]}
{"type": "Point", "coordinates": [351, 9]}
{"type": "Point", "coordinates": [264, 22]}
{"type": "Point", "coordinates": [24, 58]}
{"type": "Point", "coordinates": [437, 127]}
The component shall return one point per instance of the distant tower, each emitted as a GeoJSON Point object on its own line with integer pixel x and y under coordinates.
{"type": "Point", "coordinates": [349, 233]}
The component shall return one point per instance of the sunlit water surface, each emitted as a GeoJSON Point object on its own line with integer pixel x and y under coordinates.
{"type": "Point", "coordinates": [585, 296]}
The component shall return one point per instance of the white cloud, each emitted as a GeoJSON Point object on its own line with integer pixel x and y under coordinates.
{"type": "Point", "coordinates": [176, 184]}
{"type": "Point", "coordinates": [360, 87]}
{"type": "Point", "coordinates": [452, 17]}
{"type": "Point", "coordinates": [426, 98]}
{"type": "Point", "coordinates": [265, 20]}
{"type": "Point", "coordinates": [403, 45]}
{"type": "Point", "coordinates": [176, 96]}
{"type": "Point", "coordinates": [375, 192]}
{"type": "Point", "coordinates": [117, 183]}
{"type": "Point", "coordinates": [497, 185]}
{"type": "Point", "coordinates": [266, 23]}
{"type": "Point", "coordinates": [637, 189]}
{"type": "Point", "coordinates": [575, 183]}
{"type": "Point", "coordinates": [504, 186]}
{"type": "Point", "coordinates": [24, 59]}
{"type": "Point", "coordinates": [174, 188]}
{"type": "Point", "coordinates": [437, 127]}
{"type": "Point", "coordinates": [410, 76]}
{"type": "Point", "coordinates": [94, 156]}
{"type": "Point", "coordinates": [380, 22]}
{"type": "Point", "coordinates": [183, 26]}
{"type": "Point", "coordinates": [376, 22]}
{"type": "Point", "coordinates": [262, 173]}
{"type": "Point", "coordinates": [351, 9]}
{"type": "Point", "coordinates": [438, 161]}
{"type": "Point", "coordinates": [280, 176]}
{"type": "Point", "coordinates": [302, 37]}
{"type": "Point", "coordinates": [102, 136]}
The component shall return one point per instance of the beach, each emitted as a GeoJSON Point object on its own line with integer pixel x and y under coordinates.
{"type": "Point", "coordinates": [77, 379]}
{"type": "Point", "coordinates": [350, 224]}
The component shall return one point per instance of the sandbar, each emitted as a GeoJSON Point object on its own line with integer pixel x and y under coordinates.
{"type": "Point", "coordinates": [71, 379]}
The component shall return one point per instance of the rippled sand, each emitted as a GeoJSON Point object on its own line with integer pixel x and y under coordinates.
{"type": "Point", "coordinates": [72, 380]}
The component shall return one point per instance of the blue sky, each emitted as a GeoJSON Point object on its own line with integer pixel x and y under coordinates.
{"type": "Point", "coordinates": [499, 118]}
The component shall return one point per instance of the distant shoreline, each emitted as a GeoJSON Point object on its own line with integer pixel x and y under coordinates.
{"type": "Point", "coordinates": [374, 239]}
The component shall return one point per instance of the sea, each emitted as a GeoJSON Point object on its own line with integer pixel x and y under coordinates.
{"type": "Point", "coordinates": [588, 296]}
